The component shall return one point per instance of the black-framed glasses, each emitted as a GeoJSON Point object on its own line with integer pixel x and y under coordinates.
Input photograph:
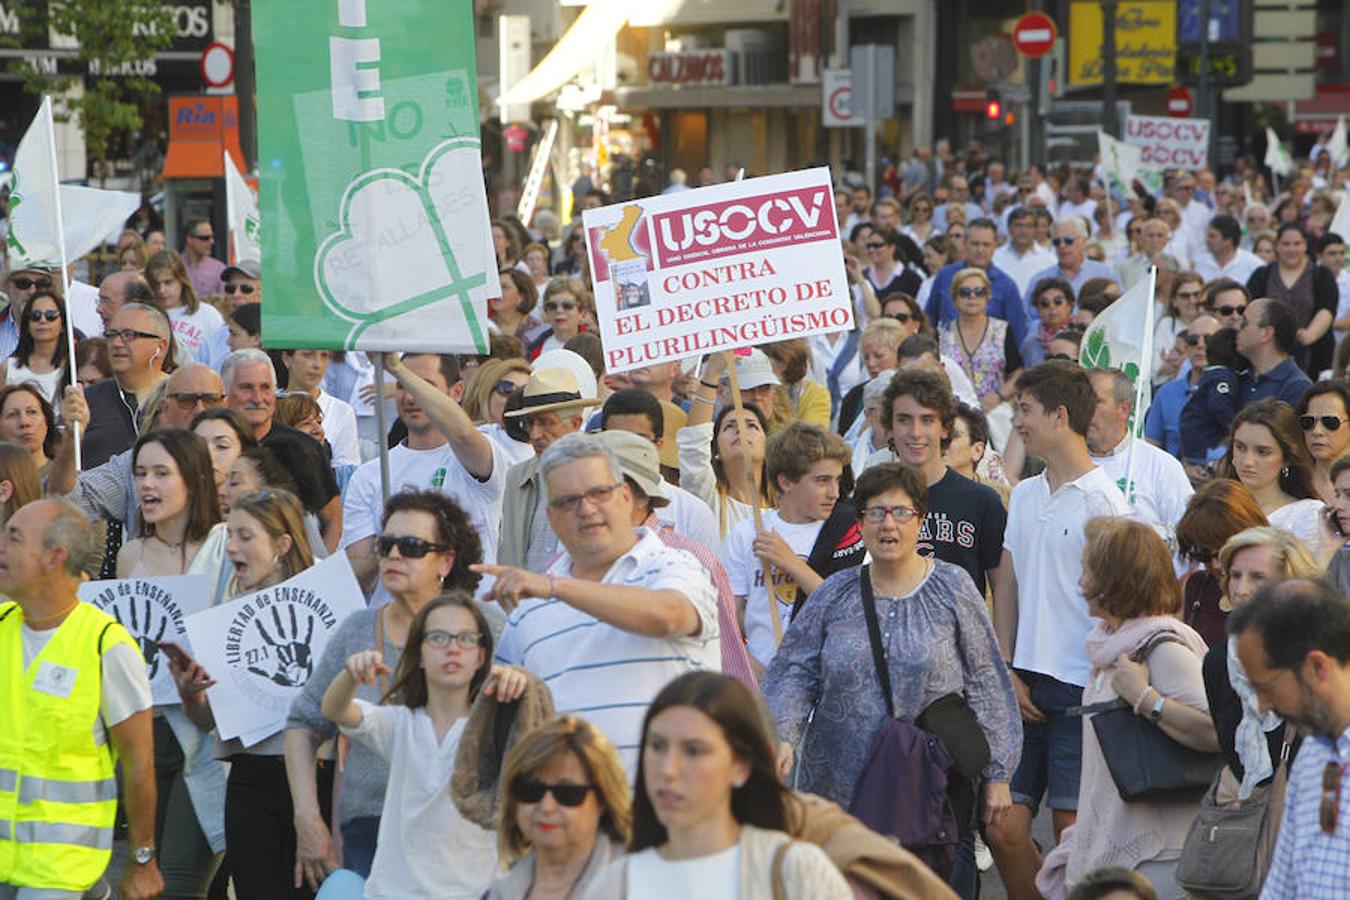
{"type": "Point", "coordinates": [1330, 423]}
{"type": "Point", "coordinates": [187, 400]}
{"type": "Point", "coordinates": [555, 306]}
{"type": "Point", "coordinates": [505, 388]}
{"type": "Point", "coordinates": [531, 791]}
{"type": "Point", "coordinates": [1331, 796]}
{"type": "Point", "coordinates": [903, 318]}
{"type": "Point", "coordinates": [241, 287]}
{"type": "Point", "coordinates": [466, 640]}
{"type": "Point", "coordinates": [409, 547]}
{"type": "Point", "coordinates": [1053, 300]}
{"type": "Point", "coordinates": [597, 496]}
{"type": "Point", "coordinates": [971, 292]}
{"type": "Point", "coordinates": [1063, 241]}
{"type": "Point", "coordinates": [24, 284]}
{"type": "Point", "coordinates": [37, 315]}
{"type": "Point", "coordinates": [1188, 295]}
{"type": "Point", "coordinates": [877, 514]}
{"type": "Point", "coordinates": [1062, 357]}
{"type": "Point", "coordinates": [128, 335]}
{"type": "Point", "coordinates": [1230, 310]}
{"type": "Point", "coordinates": [874, 245]}
{"type": "Point", "coordinates": [202, 237]}
{"type": "Point", "coordinates": [1192, 340]}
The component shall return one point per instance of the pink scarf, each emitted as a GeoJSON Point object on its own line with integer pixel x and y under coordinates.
{"type": "Point", "coordinates": [1104, 646]}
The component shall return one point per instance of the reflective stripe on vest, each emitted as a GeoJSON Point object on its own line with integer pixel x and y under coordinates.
{"type": "Point", "coordinates": [33, 789]}
{"type": "Point", "coordinates": [57, 833]}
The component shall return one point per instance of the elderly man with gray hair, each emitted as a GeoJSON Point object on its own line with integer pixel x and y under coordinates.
{"type": "Point", "coordinates": [618, 614]}
{"type": "Point", "coordinates": [138, 338]}
{"type": "Point", "coordinates": [1069, 238]}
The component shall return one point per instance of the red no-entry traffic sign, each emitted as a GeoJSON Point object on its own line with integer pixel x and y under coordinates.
{"type": "Point", "coordinates": [1034, 34]}
{"type": "Point", "coordinates": [1180, 103]}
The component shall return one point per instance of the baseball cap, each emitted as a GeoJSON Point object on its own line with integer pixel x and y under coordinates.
{"type": "Point", "coordinates": [755, 370]}
{"type": "Point", "coordinates": [249, 268]}
{"type": "Point", "coordinates": [639, 461]}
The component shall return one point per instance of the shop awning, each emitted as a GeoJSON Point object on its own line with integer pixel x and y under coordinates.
{"type": "Point", "coordinates": [600, 21]}
{"type": "Point", "coordinates": [1321, 112]}
{"type": "Point", "coordinates": [201, 128]}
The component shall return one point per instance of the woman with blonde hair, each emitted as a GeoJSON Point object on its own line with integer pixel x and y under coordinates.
{"type": "Point", "coordinates": [565, 303]}
{"type": "Point", "coordinates": [982, 345]}
{"type": "Point", "coordinates": [484, 401]}
{"type": "Point", "coordinates": [565, 812]}
{"type": "Point", "coordinates": [193, 321]}
{"type": "Point", "coordinates": [806, 400]}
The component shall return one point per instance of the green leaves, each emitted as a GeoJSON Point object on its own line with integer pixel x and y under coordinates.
{"type": "Point", "coordinates": [1096, 353]}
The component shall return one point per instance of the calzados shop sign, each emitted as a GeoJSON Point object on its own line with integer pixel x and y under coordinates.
{"type": "Point", "coordinates": [733, 265]}
{"type": "Point", "coordinates": [691, 67]}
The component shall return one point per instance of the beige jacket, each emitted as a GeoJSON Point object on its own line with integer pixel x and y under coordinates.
{"type": "Point", "coordinates": [518, 504]}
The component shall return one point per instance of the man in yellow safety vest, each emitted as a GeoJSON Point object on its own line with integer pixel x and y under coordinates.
{"type": "Point", "coordinates": [74, 701]}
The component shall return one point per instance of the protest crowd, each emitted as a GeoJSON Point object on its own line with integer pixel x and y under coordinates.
{"type": "Point", "coordinates": [827, 617]}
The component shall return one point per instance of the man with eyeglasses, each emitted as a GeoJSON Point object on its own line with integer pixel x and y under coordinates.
{"type": "Point", "coordinates": [1257, 219]}
{"type": "Point", "coordinates": [551, 408]}
{"type": "Point", "coordinates": [1293, 640]}
{"type": "Point", "coordinates": [1162, 426]}
{"type": "Point", "coordinates": [120, 288]}
{"type": "Point", "coordinates": [1021, 257]}
{"type": "Point", "coordinates": [1226, 300]}
{"type": "Point", "coordinates": [242, 286]}
{"type": "Point", "coordinates": [1070, 237]}
{"type": "Point", "coordinates": [1267, 335]}
{"type": "Point", "coordinates": [1223, 258]}
{"type": "Point", "coordinates": [138, 339]}
{"type": "Point", "coordinates": [204, 270]}
{"type": "Point", "coordinates": [106, 491]}
{"type": "Point", "coordinates": [1005, 301]}
{"type": "Point", "coordinates": [617, 614]}
{"type": "Point", "coordinates": [444, 451]}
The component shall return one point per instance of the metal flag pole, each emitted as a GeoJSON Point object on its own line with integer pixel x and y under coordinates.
{"type": "Point", "coordinates": [65, 275]}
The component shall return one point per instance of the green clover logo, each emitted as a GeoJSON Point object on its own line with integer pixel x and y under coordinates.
{"type": "Point", "coordinates": [406, 244]}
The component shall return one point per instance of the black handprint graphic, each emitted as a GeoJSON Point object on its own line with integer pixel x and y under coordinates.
{"type": "Point", "coordinates": [292, 654]}
{"type": "Point", "coordinates": [140, 629]}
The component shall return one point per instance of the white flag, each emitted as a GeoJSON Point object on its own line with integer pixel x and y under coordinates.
{"type": "Point", "coordinates": [91, 217]}
{"type": "Point", "coordinates": [1122, 338]}
{"type": "Point", "coordinates": [1337, 146]}
{"type": "Point", "coordinates": [1340, 223]}
{"type": "Point", "coordinates": [1277, 159]}
{"type": "Point", "coordinates": [242, 214]}
{"type": "Point", "coordinates": [1120, 163]}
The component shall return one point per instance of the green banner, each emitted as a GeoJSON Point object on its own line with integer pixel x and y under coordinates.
{"type": "Point", "coordinates": [375, 225]}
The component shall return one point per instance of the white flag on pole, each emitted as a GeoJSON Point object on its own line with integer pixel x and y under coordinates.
{"type": "Point", "coordinates": [1337, 146]}
{"type": "Point", "coordinates": [1277, 159]}
{"type": "Point", "coordinates": [1122, 338]}
{"type": "Point", "coordinates": [91, 216]}
{"type": "Point", "coordinates": [1120, 163]}
{"type": "Point", "coordinates": [242, 214]}
{"type": "Point", "coordinates": [1340, 223]}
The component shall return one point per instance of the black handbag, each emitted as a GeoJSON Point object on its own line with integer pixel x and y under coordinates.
{"type": "Point", "coordinates": [1144, 762]}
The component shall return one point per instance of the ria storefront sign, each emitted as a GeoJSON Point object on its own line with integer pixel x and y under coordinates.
{"type": "Point", "coordinates": [692, 67]}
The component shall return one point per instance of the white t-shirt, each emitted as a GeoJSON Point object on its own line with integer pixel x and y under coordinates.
{"type": "Point", "coordinates": [191, 331]}
{"type": "Point", "coordinates": [124, 690]}
{"type": "Point", "coordinates": [425, 847]}
{"type": "Point", "coordinates": [1303, 519]}
{"type": "Point", "coordinates": [516, 451]}
{"type": "Point", "coordinates": [339, 427]}
{"type": "Point", "coordinates": [1044, 535]}
{"type": "Point", "coordinates": [605, 674]}
{"type": "Point", "coordinates": [1159, 489]}
{"type": "Point", "coordinates": [746, 574]}
{"type": "Point", "coordinates": [689, 516]}
{"type": "Point", "coordinates": [714, 877]}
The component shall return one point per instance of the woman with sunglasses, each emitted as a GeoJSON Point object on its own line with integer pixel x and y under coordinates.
{"type": "Point", "coordinates": [484, 401]}
{"type": "Point", "coordinates": [40, 357]}
{"type": "Point", "coordinates": [938, 641]}
{"type": "Point", "coordinates": [1053, 301]}
{"type": "Point", "coordinates": [426, 546]}
{"type": "Point", "coordinates": [565, 812]}
{"type": "Point", "coordinates": [1324, 415]}
{"type": "Point", "coordinates": [181, 533]}
{"type": "Point", "coordinates": [266, 545]}
{"type": "Point", "coordinates": [1266, 452]}
{"type": "Point", "coordinates": [193, 321]}
{"type": "Point", "coordinates": [885, 271]}
{"type": "Point", "coordinates": [710, 815]}
{"type": "Point", "coordinates": [1184, 305]}
{"type": "Point", "coordinates": [920, 227]}
{"type": "Point", "coordinates": [426, 847]}
{"type": "Point", "coordinates": [983, 346]}
{"type": "Point", "coordinates": [565, 302]}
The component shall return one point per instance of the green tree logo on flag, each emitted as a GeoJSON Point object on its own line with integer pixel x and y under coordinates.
{"type": "Point", "coordinates": [15, 198]}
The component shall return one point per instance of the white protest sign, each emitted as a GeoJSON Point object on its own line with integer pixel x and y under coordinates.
{"type": "Point", "coordinates": [1167, 143]}
{"type": "Point", "coordinates": [153, 610]}
{"type": "Point", "coordinates": [731, 265]}
{"type": "Point", "coordinates": [261, 648]}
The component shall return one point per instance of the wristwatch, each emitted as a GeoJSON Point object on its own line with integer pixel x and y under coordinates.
{"type": "Point", "coordinates": [1155, 713]}
{"type": "Point", "coordinates": [142, 855]}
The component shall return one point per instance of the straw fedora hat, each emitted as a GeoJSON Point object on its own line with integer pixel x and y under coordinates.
{"type": "Point", "coordinates": [550, 390]}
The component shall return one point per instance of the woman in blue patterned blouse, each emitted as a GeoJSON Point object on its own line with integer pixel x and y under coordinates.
{"type": "Point", "coordinates": [936, 634]}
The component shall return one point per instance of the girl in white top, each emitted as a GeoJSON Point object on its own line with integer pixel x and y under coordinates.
{"type": "Point", "coordinates": [713, 452]}
{"type": "Point", "coordinates": [193, 321]}
{"type": "Point", "coordinates": [426, 848]}
{"type": "Point", "coordinates": [1266, 453]}
{"type": "Point", "coordinates": [40, 357]}
{"type": "Point", "coordinates": [709, 815]}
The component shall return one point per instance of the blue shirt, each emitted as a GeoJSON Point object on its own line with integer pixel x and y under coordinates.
{"type": "Point", "coordinates": [1091, 269]}
{"type": "Point", "coordinates": [1285, 382]}
{"type": "Point", "coordinates": [1004, 302]}
{"type": "Point", "coordinates": [1163, 422]}
{"type": "Point", "coordinates": [1307, 861]}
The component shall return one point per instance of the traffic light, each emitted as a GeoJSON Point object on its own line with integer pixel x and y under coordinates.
{"type": "Point", "coordinates": [993, 105]}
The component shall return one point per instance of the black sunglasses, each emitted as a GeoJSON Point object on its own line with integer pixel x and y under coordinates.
{"type": "Point", "coordinates": [409, 547]}
{"type": "Point", "coordinates": [505, 388]}
{"type": "Point", "coordinates": [37, 315]}
{"type": "Point", "coordinates": [566, 794]}
{"type": "Point", "coordinates": [1060, 356]}
{"type": "Point", "coordinates": [24, 284]}
{"type": "Point", "coordinates": [902, 317]}
{"type": "Point", "coordinates": [1193, 340]}
{"type": "Point", "coordinates": [202, 237]}
{"type": "Point", "coordinates": [186, 400]}
{"type": "Point", "coordinates": [1230, 310]}
{"type": "Point", "coordinates": [239, 286]}
{"type": "Point", "coordinates": [1330, 423]}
